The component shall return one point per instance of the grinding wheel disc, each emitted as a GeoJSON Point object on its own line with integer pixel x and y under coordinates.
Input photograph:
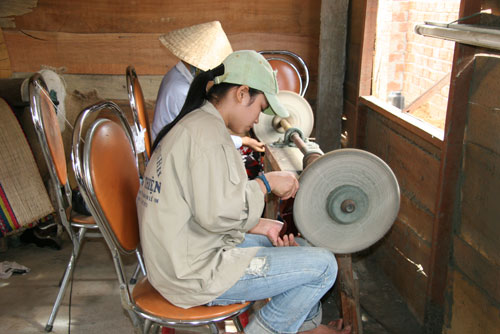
{"type": "Point", "coordinates": [269, 130]}
{"type": "Point", "coordinates": [347, 200]}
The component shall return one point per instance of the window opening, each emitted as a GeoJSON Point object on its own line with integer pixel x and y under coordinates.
{"type": "Point", "coordinates": [411, 71]}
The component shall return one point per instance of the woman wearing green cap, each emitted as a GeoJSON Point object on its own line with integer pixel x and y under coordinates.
{"type": "Point", "coordinates": [203, 238]}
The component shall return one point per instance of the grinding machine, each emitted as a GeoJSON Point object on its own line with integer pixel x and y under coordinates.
{"type": "Point", "coordinates": [348, 198]}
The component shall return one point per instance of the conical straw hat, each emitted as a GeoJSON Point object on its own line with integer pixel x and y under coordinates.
{"type": "Point", "coordinates": [204, 46]}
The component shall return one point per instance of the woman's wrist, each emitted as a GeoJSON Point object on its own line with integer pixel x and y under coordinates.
{"type": "Point", "coordinates": [264, 180]}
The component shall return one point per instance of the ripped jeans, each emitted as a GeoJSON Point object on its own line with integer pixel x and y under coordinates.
{"type": "Point", "coordinates": [295, 278]}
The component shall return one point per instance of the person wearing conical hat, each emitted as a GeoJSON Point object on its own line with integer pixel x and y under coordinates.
{"type": "Point", "coordinates": [202, 236]}
{"type": "Point", "coordinates": [199, 48]}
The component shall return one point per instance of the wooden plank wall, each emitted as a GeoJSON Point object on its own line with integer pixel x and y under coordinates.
{"type": "Point", "coordinates": [474, 298]}
{"type": "Point", "coordinates": [442, 252]}
{"type": "Point", "coordinates": [405, 251]}
{"type": "Point", "coordinates": [104, 37]}
{"type": "Point", "coordinates": [5, 70]}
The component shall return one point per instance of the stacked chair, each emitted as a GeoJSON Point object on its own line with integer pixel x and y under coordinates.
{"type": "Point", "coordinates": [139, 112]}
{"type": "Point", "coordinates": [293, 73]}
{"type": "Point", "coordinates": [141, 126]}
{"type": "Point", "coordinates": [48, 132]}
{"type": "Point", "coordinates": [49, 136]}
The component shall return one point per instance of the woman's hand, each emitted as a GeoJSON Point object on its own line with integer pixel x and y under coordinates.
{"type": "Point", "coordinates": [286, 241]}
{"type": "Point", "coordinates": [254, 144]}
{"type": "Point", "coordinates": [283, 184]}
{"type": "Point", "coordinates": [272, 228]}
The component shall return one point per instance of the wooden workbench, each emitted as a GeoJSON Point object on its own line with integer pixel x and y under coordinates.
{"type": "Point", "coordinates": [290, 159]}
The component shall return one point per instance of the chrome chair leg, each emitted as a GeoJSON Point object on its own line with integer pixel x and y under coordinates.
{"type": "Point", "coordinates": [65, 280]}
{"type": "Point", "coordinates": [140, 266]}
{"type": "Point", "coordinates": [133, 279]}
{"type": "Point", "coordinates": [60, 294]}
{"type": "Point", "coordinates": [147, 326]}
{"type": "Point", "coordinates": [140, 262]}
{"type": "Point", "coordinates": [156, 328]}
{"type": "Point", "coordinates": [237, 324]}
{"type": "Point", "coordinates": [213, 328]}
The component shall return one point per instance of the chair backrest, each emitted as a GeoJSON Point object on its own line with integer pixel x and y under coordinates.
{"type": "Point", "coordinates": [293, 73]}
{"type": "Point", "coordinates": [138, 106]}
{"type": "Point", "coordinates": [106, 169]}
{"type": "Point", "coordinates": [43, 114]}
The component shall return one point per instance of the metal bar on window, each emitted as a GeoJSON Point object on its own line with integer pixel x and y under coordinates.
{"type": "Point", "coordinates": [461, 33]}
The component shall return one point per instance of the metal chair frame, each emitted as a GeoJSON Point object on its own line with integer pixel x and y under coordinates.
{"type": "Point", "coordinates": [283, 55]}
{"type": "Point", "coordinates": [141, 121]}
{"type": "Point", "coordinates": [138, 106]}
{"type": "Point", "coordinates": [147, 318]}
{"type": "Point", "coordinates": [56, 163]}
{"type": "Point", "coordinates": [39, 97]}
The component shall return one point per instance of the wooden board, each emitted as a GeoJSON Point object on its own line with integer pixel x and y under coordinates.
{"type": "Point", "coordinates": [5, 70]}
{"type": "Point", "coordinates": [435, 309]}
{"type": "Point", "coordinates": [293, 17]}
{"type": "Point", "coordinates": [331, 74]}
{"type": "Point", "coordinates": [477, 267]}
{"type": "Point", "coordinates": [416, 218]}
{"type": "Point", "coordinates": [409, 242]}
{"type": "Point", "coordinates": [398, 255]}
{"type": "Point", "coordinates": [472, 313]}
{"type": "Point", "coordinates": [112, 87]}
{"type": "Point", "coordinates": [480, 194]}
{"type": "Point", "coordinates": [111, 53]}
{"type": "Point", "coordinates": [469, 200]}
{"type": "Point", "coordinates": [284, 158]}
{"type": "Point", "coordinates": [418, 176]}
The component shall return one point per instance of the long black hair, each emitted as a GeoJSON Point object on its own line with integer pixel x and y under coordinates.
{"type": "Point", "coordinates": [197, 95]}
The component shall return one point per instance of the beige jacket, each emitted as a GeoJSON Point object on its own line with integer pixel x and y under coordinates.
{"type": "Point", "coordinates": [194, 206]}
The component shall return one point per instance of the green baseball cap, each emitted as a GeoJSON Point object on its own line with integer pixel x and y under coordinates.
{"type": "Point", "coordinates": [250, 68]}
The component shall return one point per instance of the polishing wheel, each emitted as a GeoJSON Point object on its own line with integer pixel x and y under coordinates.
{"type": "Point", "coordinates": [347, 200]}
{"type": "Point", "coordinates": [269, 129]}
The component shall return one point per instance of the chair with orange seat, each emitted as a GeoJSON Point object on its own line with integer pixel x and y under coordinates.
{"type": "Point", "coordinates": [293, 73]}
{"type": "Point", "coordinates": [106, 169]}
{"type": "Point", "coordinates": [139, 112]}
{"type": "Point", "coordinates": [46, 126]}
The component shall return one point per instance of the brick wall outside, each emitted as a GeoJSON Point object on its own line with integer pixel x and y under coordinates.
{"type": "Point", "coordinates": [411, 63]}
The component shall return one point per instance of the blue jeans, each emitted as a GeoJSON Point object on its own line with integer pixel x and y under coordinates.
{"type": "Point", "coordinates": [295, 278]}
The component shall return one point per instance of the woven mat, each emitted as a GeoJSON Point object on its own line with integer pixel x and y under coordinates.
{"type": "Point", "coordinates": [23, 197]}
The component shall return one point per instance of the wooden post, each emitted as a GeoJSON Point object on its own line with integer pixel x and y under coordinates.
{"type": "Point", "coordinates": [449, 177]}
{"type": "Point", "coordinates": [331, 73]}
{"type": "Point", "coordinates": [349, 293]}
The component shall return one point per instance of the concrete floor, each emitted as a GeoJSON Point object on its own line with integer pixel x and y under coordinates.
{"type": "Point", "coordinates": [26, 300]}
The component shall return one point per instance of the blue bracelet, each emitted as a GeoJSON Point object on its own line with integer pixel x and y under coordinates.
{"type": "Point", "coordinates": [263, 178]}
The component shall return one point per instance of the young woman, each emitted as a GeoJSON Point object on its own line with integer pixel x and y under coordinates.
{"type": "Point", "coordinates": [202, 236]}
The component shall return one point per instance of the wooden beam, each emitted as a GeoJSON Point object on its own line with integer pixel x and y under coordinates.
{"type": "Point", "coordinates": [111, 53]}
{"type": "Point", "coordinates": [293, 17]}
{"type": "Point", "coordinates": [417, 126]}
{"type": "Point", "coordinates": [461, 76]}
{"type": "Point", "coordinates": [331, 73]}
{"type": "Point", "coordinates": [424, 98]}
{"type": "Point", "coordinates": [349, 294]}
{"type": "Point", "coordinates": [362, 31]}
{"type": "Point", "coordinates": [5, 69]}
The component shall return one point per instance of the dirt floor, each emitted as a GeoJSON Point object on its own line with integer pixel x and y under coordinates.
{"type": "Point", "coordinates": [95, 307]}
